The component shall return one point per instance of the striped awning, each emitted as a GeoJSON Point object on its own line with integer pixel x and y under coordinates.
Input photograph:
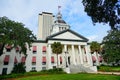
{"type": "Point", "coordinates": [52, 59]}
{"type": "Point", "coordinates": [93, 58]}
{"type": "Point", "coordinates": [34, 48]}
{"type": "Point", "coordinates": [17, 48]}
{"type": "Point", "coordinates": [23, 59]}
{"type": "Point", "coordinates": [44, 48]}
{"type": "Point", "coordinates": [43, 59]}
{"type": "Point", "coordinates": [100, 58]}
{"type": "Point", "coordinates": [60, 59]}
{"type": "Point", "coordinates": [34, 59]}
{"type": "Point", "coordinates": [8, 47]}
{"type": "Point", "coordinates": [6, 59]}
{"type": "Point", "coordinates": [15, 60]}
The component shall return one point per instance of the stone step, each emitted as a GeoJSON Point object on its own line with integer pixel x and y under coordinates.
{"type": "Point", "coordinates": [80, 68]}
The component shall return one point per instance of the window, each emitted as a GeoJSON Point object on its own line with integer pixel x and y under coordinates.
{"type": "Point", "coordinates": [43, 68]}
{"type": "Point", "coordinates": [44, 60]}
{"type": "Point", "coordinates": [34, 49]}
{"type": "Point", "coordinates": [33, 60]}
{"type": "Point", "coordinates": [33, 63]}
{"type": "Point", "coordinates": [15, 60]}
{"type": "Point", "coordinates": [44, 48]}
{"type": "Point", "coordinates": [17, 49]}
{"type": "Point", "coordinates": [52, 59]}
{"type": "Point", "coordinates": [6, 60]}
{"type": "Point", "coordinates": [44, 52]}
{"type": "Point", "coordinates": [54, 67]}
{"type": "Point", "coordinates": [8, 48]}
{"type": "Point", "coordinates": [4, 71]}
{"type": "Point", "coordinates": [5, 63]}
{"type": "Point", "coordinates": [23, 60]}
{"type": "Point", "coordinates": [33, 68]}
{"type": "Point", "coordinates": [60, 60]}
{"type": "Point", "coordinates": [94, 59]}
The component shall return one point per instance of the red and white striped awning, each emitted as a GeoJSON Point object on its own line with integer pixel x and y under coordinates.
{"type": "Point", "coordinates": [6, 59]}
{"type": "Point", "coordinates": [8, 47]}
{"type": "Point", "coordinates": [52, 59]}
{"type": "Point", "coordinates": [34, 48]}
{"type": "Point", "coordinates": [15, 60]}
{"type": "Point", "coordinates": [44, 48]}
{"type": "Point", "coordinates": [100, 58]}
{"type": "Point", "coordinates": [23, 59]}
{"type": "Point", "coordinates": [60, 59]}
{"type": "Point", "coordinates": [93, 58]}
{"type": "Point", "coordinates": [33, 59]}
{"type": "Point", "coordinates": [17, 48]}
{"type": "Point", "coordinates": [43, 59]}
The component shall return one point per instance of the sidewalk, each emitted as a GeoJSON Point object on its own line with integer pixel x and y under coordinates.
{"type": "Point", "coordinates": [114, 73]}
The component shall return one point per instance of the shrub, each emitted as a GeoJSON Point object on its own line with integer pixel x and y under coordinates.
{"type": "Point", "coordinates": [19, 68]}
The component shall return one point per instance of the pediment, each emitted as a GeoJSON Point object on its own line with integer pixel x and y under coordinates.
{"type": "Point", "coordinates": [68, 35]}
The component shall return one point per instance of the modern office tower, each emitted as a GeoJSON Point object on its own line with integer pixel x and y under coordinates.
{"type": "Point", "coordinates": [45, 22]}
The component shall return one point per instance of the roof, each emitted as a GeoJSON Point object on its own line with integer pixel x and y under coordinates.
{"type": "Point", "coordinates": [69, 30]}
{"type": "Point", "coordinates": [60, 21]}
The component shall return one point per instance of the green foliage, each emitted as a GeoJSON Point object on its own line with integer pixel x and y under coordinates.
{"type": "Point", "coordinates": [81, 76]}
{"type": "Point", "coordinates": [95, 46]}
{"type": "Point", "coordinates": [109, 68]}
{"type": "Point", "coordinates": [105, 11]}
{"type": "Point", "coordinates": [57, 49]}
{"type": "Point", "coordinates": [19, 68]}
{"type": "Point", "coordinates": [112, 46]}
{"type": "Point", "coordinates": [15, 34]}
{"type": "Point", "coordinates": [54, 71]}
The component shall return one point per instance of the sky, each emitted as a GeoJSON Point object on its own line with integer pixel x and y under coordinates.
{"type": "Point", "coordinates": [26, 12]}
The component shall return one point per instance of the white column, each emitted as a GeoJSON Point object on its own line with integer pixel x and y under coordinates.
{"type": "Point", "coordinates": [65, 47]}
{"type": "Point", "coordinates": [87, 54]}
{"type": "Point", "coordinates": [80, 53]}
{"type": "Point", "coordinates": [49, 56]}
{"type": "Point", "coordinates": [73, 54]}
{"type": "Point", "coordinates": [65, 56]}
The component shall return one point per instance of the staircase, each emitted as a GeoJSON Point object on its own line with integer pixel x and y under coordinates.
{"type": "Point", "coordinates": [82, 68]}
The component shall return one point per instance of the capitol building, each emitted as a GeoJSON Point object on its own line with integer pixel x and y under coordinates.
{"type": "Point", "coordinates": [75, 56]}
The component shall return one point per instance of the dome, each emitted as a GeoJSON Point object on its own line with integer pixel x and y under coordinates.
{"type": "Point", "coordinates": [60, 21]}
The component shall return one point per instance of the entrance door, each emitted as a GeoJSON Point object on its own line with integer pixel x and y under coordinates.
{"type": "Point", "coordinates": [69, 60]}
{"type": "Point", "coordinates": [4, 71]}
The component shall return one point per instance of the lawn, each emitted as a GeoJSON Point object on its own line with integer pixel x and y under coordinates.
{"type": "Point", "coordinates": [81, 76]}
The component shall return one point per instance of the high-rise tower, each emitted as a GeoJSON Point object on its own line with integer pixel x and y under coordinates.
{"type": "Point", "coordinates": [45, 22]}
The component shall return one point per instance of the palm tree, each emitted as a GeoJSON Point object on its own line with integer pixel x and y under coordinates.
{"type": "Point", "coordinates": [95, 47]}
{"type": "Point", "coordinates": [56, 49]}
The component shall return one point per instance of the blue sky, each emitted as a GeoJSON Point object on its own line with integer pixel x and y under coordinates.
{"type": "Point", "coordinates": [26, 11]}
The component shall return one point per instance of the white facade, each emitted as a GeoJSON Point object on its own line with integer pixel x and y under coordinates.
{"type": "Point", "coordinates": [74, 57]}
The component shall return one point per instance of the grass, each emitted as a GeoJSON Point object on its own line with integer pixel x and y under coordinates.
{"type": "Point", "coordinates": [109, 68]}
{"type": "Point", "coordinates": [80, 76]}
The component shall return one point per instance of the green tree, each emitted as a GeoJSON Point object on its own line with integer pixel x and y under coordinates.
{"type": "Point", "coordinates": [15, 34]}
{"type": "Point", "coordinates": [95, 47]}
{"type": "Point", "coordinates": [112, 46]}
{"type": "Point", "coordinates": [103, 11]}
{"type": "Point", "coordinates": [19, 68]}
{"type": "Point", "coordinates": [56, 49]}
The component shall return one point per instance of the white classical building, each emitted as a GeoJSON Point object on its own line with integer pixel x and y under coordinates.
{"type": "Point", "coordinates": [75, 57]}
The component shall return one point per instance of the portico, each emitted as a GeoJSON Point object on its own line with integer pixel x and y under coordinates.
{"type": "Point", "coordinates": [75, 50]}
